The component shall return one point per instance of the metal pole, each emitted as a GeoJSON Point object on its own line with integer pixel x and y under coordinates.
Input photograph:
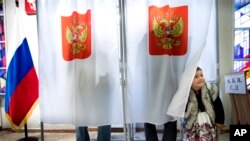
{"type": "Point", "coordinates": [41, 123]}
{"type": "Point", "coordinates": [27, 138]}
{"type": "Point", "coordinates": [42, 131]}
{"type": "Point", "coordinates": [26, 131]}
{"type": "Point", "coordinates": [123, 67]}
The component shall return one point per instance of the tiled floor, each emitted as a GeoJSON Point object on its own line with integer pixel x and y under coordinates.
{"type": "Point", "coordinates": [70, 136]}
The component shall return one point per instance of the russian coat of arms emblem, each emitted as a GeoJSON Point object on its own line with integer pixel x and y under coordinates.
{"type": "Point", "coordinates": [168, 29]}
{"type": "Point", "coordinates": [76, 36]}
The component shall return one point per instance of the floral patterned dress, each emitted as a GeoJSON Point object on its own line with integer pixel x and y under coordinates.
{"type": "Point", "coordinates": [199, 121]}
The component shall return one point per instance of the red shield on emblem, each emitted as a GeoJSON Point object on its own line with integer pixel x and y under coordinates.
{"type": "Point", "coordinates": [30, 7]}
{"type": "Point", "coordinates": [168, 30]}
{"type": "Point", "coordinates": [76, 36]}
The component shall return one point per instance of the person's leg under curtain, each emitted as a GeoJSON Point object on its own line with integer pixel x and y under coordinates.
{"type": "Point", "coordinates": [170, 131]}
{"type": "Point", "coordinates": [150, 132]}
{"type": "Point", "coordinates": [104, 133]}
{"type": "Point", "coordinates": [82, 133]}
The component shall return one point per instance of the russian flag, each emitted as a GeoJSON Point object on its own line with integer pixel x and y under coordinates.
{"type": "Point", "coordinates": [22, 81]}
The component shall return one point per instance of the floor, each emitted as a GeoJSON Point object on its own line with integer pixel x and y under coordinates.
{"type": "Point", "coordinates": [70, 136]}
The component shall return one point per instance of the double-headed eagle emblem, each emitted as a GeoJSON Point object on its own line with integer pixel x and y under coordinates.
{"type": "Point", "coordinates": [167, 31]}
{"type": "Point", "coordinates": [76, 35]}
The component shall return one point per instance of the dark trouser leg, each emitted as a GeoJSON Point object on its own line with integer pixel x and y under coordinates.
{"type": "Point", "coordinates": [150, 132]}
{"type": "Point", "coordinates": [82, 133]}
{"type": "Point", "coordinates": [170, 131]}
{"type": "Point", "coordinates": [104, 133]}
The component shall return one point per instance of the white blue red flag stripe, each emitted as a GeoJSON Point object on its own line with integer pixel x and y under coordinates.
{"type": "Point", "coordinates": [22, 80]}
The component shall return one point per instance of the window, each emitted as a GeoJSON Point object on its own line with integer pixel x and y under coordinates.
{"type": "Point", "coordinates": [241, 35]}
{"type": "Point", "coordinates": [2, 48]}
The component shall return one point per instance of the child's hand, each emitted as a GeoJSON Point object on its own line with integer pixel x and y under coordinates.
{"type": "Point", "coordinates": [220, 127]}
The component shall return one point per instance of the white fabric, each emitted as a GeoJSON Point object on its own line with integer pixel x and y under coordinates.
{"type": "Point", "coordinates": [203, 118]}
{"type": "Point", "coordinates": [208, 60]}
{"type": "Point", "coordinates": [18, 35]}
{"type": "Point", "coordinates": [148, 95]}
{"type": "Point", "coordinates": [86, 92]}
{"type": "Point", "coordinates": [153, 80]}
{"type": "Point", "coordinates": [200, 20]}
{"type": "Point", "coordinates": [81, 91]}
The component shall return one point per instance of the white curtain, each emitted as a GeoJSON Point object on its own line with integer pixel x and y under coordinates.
{"type": "Point", "coordinates": [81, 91]}
{"type": "Point", "coordinates": [161, 83]}
{"type": "Point", "coordinates": [208, 60]}
{"type": "Point", "coordinates": [86, 91]}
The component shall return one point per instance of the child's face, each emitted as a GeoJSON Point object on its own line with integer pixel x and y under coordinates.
{"type": "Point", "coordinates": [198, 81]}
